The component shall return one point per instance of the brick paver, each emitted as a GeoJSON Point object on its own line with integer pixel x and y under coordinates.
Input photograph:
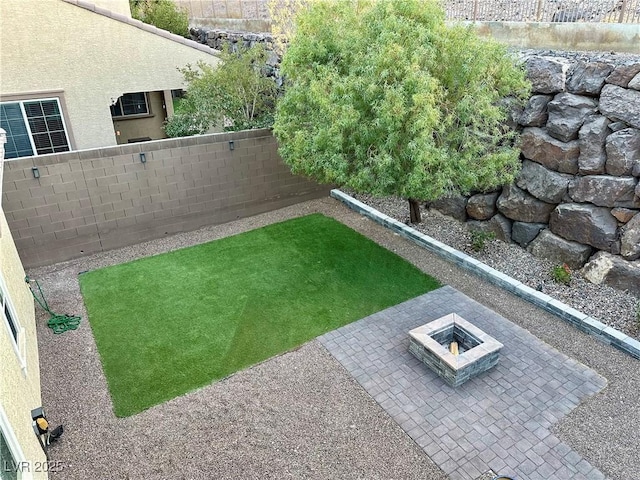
{"type": "Point", "coordinates": [500, 420]}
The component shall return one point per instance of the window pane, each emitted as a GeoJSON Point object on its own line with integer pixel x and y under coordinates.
{"type": "Point", "coordinates": [18, 144]}
{"type": "Point", "coordinates": [8, 464]}
{"type": "Point", "coordinates": [42, 140]}
{"type": "Point", "coordinates": [134, 104]}
{"type": "Point", "coordinates": [55, 123]}
{"type": "Point", "coordinates": [44, 120]}
{"type": "Point", "coordinates": [33, 109]}
{"type": "Point", "coordinates": [37, 125]}
{"type": "Point", "coordinates": [50, 108]}
{"type": "Point", "coordinates": [11, 322]}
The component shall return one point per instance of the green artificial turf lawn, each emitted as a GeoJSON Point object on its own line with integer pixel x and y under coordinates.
{"type": "Point", "coordinates": [167, 324]}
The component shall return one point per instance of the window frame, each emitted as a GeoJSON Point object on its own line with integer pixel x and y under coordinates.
{"type": "Point", "coordinates": [14, 446]}
{"type": "Point", "coordinates": [125, 116]}
{"type": "Point", "coordinates": [25, 119]}
{"type": "Point", "coordinates": [18, 342]}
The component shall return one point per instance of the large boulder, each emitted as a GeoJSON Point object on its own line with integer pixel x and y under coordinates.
{"type": "Point", "coordinates": [567, 113]}
{"type": "Point", "coordinates": [592, 137]}
{"type": "Point", "coordinates": [518, 205]}
{"type": "Point", "coordinates": [623, 74]}
{"type": "Point", "coordinates": [557, 249]}
{"type": "Point", "coordinates": [605, 191]}
{"type": "Point", "coordinates": [499, 225]}
{"type": "Point", "coordinates": [542, 148]}
{"type": "Point", "coordinates": [453, 206]}
{"type": "Point", "coordinates": [623, 151]}
{"type": "Point", "coordinates": [586, 224]}
{"type": "Point", "coordinates": [588, 78]}
{"type": "Point", "coordinates": [482, 206]}
{"type": "Point", "coordinates": [535, 112]}
{"type": "Point", "coordinates": [630, 239]}
{"type": "Point", "coordinates": [545, 185]}
{"type": "Point", "coordinates": [524, 233]}
{"type": "Point", "coordinates": [547, 74]}
{"type": "Point", "coordinates": [621, 104]}
{"type": "Point", "coordinates": [634, 83]}
{"type": "Point", "coordinates": [614, 271]}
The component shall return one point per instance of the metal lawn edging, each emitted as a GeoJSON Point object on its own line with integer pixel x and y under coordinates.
{"type": "Point", "coordinates": [602, 332]}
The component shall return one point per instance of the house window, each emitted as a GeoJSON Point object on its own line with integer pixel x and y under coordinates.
{"type": "Point", "coordinates": [34, 127]}
{"type": "Point", "coordinates": [131, 104]}
{"type": "Point", "coordinates": [12, 460]}
{"type": "Point", "coordinates": [9, 318]}
{"type": "Point", "coordinates": [8, 463]}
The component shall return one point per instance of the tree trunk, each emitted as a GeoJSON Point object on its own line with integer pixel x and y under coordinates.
{"type": "Point", "coordinates": [414, 211]}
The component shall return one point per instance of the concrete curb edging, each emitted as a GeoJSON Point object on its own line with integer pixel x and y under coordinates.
{"type": "Point", "coordinates": [578, 319]}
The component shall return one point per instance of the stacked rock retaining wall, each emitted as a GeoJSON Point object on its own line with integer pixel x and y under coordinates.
{"type": "Point", "coordinates": [577, 197]}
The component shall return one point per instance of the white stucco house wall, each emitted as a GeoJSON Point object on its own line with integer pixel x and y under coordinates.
{"type": "Point", "coordinates": [76, 75]}
{"type": "Point", "coordinates": [22, 456]}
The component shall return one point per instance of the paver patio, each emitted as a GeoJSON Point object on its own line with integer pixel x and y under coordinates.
{"type": "Point", "coordinates": [500, 420]}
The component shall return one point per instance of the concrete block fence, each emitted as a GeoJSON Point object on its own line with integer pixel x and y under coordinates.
{"type": "Point", "coordinates": [578, 319]}
{"type": "Point", "coordinates": [91, 201]}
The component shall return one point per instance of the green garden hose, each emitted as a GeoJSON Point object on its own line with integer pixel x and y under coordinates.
{"type": "Point", "coordinates": [57, 323]}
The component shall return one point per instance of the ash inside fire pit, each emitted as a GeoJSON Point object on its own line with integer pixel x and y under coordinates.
{"type": "Point", "coordinates": [454, 348]}
{"type": "Point", "coordinates": [455, 333]}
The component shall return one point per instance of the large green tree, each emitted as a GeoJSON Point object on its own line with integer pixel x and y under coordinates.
{"type": "Point", "coordinates": [235, 95]}
{"type": "Point", "coordinates": [382, 97]}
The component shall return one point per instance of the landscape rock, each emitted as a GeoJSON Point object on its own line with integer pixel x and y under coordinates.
{"type": "Point", "coordinates": [621, 104]}
{"type": "Point", "coordinates": [614, 271]}
{"type": "Point", "coordinates": [605, 191]}
{"type": "Point", "coordinates": [592, 137]}
{"type": "Point", "coordinates": [567, 113]}
{"type": "Point", "coordinates": [622, 75]}
{"type": "Point", "coordinates": [547, 74]}
{"type": "Point", "coordinates": [623, 215]}
{"type": "Point", "coordinates": [615, 126]}
{"type": "Point", "coordinates": [535, 112]}
{"type": "Point", "coordinates": [499, 225]}
{"type": "Point", "coordinates": [544, 184]}
{"type": "Point", "coordinates": [630, 239]}
{"type": "Point", "coordinates": [514, 111]}
{"type": "Point", "coordinates": [518, 205]}
{"type": "Point", "coordinates": [524, 233]}
{"type": "Point", "coordinates": [635, 82]}
{"type": "Point", "coordinates": [586, 224]}
{"type": "Point", "coordinates": [623, 151]}
{"type": "Point", "coordinates": [453, 206]}
{"type": "Point", "coordinates": [557, 249]}
{"type": "Point", "coordinates": [539, 146]}
{"type": "Point", "coordinates": [588, 77]}
{"type": "Point", "coordinates": [482, 206]}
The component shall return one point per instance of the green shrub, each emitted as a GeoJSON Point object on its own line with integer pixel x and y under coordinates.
{"type": "Point", "coordinates": [479, 239]}
{"type": "Point", "coordinates": [235, 95]}
{"type": "Point", "coordinates": [163, 14]}
{"type": "Point", "coordinates": [561, 274]}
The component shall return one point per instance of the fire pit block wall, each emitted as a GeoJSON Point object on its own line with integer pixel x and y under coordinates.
{"type": "Point", "coordinates": [430, 344]}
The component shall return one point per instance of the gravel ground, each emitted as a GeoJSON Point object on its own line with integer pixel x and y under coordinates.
{"type": "Point", "coordinates": [298, 415]}
{"type": "Point", "coordinates": [609, 305]}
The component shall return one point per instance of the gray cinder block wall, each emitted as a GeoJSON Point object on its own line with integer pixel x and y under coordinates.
{"type": "Point", "coordinates": [95, 200]}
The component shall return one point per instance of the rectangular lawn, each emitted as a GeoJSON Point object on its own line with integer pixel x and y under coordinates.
{"type": "Point", "coordinates": [167, 324]}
